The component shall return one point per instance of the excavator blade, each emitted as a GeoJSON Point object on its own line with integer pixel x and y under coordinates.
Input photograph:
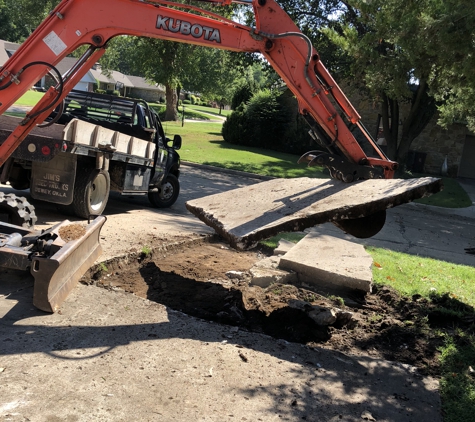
{"type": "Point", "coordinates": [58, 274]}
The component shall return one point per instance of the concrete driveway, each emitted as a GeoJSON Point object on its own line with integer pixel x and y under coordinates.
{"type": "Point", "coordinates": [110, 356]}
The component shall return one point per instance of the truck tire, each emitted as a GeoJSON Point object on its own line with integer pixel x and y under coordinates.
{"type": "Point", "coordinates": [91, 193]}
{"type": "Point", "coordinates": [167, 194]}
{"type": "Point", "coordinates": [17, 210]}
{"type": "Point", "coordinates": [19, 178]}
{"type": "Point", "coordinates": [20, 184]}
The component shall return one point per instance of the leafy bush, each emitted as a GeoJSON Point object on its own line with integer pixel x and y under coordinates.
{"type": "Point", "coordinates": [243, 94]}
{"type": "Point", "coordinates": [186, 102]}
{"type": "Point", "coordinates": [195, 100]}
{"type": "Point", "coordinates": [270, 119]}
{"type": "Point", "coordinates": [234, 127]}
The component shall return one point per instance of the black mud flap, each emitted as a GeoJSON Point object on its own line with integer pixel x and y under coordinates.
{"type": "Point", "coordinates": [53, 181]}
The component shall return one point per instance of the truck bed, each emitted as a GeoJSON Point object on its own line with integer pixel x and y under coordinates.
{"type": "Point", "coordinates": [82, 133]}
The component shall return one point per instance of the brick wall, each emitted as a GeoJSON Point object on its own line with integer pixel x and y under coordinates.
{"type": "Point", "coordinates": [435, 142]}
{"type": "Point", "coordinates": [147, 94]}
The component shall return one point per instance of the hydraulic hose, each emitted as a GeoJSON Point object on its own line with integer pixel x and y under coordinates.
{"type": "Point", "coordinates": [58, 79]}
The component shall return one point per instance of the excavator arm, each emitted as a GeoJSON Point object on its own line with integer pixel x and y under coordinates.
{"type": "Point", "coordinates": [74, 23]}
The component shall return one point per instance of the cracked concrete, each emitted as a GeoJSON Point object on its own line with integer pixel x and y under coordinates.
{"type": "Point", "coordinates": [321, 260]}
{"type": "Point", "coordinates": [246, 215]}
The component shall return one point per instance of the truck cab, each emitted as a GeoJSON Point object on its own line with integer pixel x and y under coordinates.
{"type": "Point", "coordinates": [108, 143]}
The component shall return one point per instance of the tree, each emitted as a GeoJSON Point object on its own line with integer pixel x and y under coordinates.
{"type": "Point", "coordinates": [212, 73]}
{"type": "Point", "coordinates": [19, 18]}
{"type": "Point", "coordinates": [158, 61]}
{"type": "Point", "coordinates": [410, 54]}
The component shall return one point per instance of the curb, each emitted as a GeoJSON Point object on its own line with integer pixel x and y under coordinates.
{"type": "Point", "coordinates": [226, 171]}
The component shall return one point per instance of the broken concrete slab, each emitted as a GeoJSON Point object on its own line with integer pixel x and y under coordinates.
{"type": "Point", "coordinates": [283, 246]}
{"type": "Point", "coordinates": [321, 259]}
{"type": "Point", "coordinates": [246, 215]}
{"type": "Point", "coordinates": [266, 272]}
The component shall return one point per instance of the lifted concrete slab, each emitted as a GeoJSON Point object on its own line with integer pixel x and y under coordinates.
{"type": "Point", "coordinates": [246, 215]}
{"type": "Point", "coordinates": [320, 259]}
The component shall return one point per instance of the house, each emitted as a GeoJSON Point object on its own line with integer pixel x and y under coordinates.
{"type": "Point", "coordinates": [132, 86]}
{"type": "Point", "coordinates": [85, 84]}
{"type": "Point", "coordinates": [145, 90]}
{"type": "Point", "coordinates": [431, 148]}
{"type": "Point", "coordinates": [112, 81]}
{"type": "Point", "coordinates": [127, 85]}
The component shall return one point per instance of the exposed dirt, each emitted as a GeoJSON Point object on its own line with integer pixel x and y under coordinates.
{"type": "Point", "coordinates": [72, 232]}
{"type": "Point", "coordinates": [193, 279]}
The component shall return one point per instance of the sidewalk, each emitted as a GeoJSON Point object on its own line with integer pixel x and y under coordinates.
{"type": "Point", "coordinates": [469, 212]}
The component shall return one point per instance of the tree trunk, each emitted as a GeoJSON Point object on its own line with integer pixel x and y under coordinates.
{"type": "Point", "coordinates": [390, 119]}
{"type": "Point", "coordinates": [171, 113]}
{"type": "Point", "coordinates": [422, 110]}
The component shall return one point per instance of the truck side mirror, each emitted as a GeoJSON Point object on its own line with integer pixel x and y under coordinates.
{"type": "Point", "coordinates": [177, 142]}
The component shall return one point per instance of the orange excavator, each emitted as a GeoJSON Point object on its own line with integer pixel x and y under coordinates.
{"type": "Point", "coordinates": [73, 23]}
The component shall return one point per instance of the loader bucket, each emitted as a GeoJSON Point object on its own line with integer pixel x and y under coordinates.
{"type": "Point", "coordinates": [57, 275]}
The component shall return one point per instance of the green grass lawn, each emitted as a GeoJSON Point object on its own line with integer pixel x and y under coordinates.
{"type": "Point", "coordinates": [452, 196]}
{"type": "Point", "coordinates": [190, 114]}
{"type": "Point", "coordinates": [30, 98]}
{"type": "Point", "coordinates": [210, 110]}
{"type": "Point", "coordinates": [203, 144]}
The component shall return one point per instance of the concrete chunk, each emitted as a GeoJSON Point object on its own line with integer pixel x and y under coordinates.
{"type": "Point", "coordinates": [266, 272]}
{"type": "Point", "coordinates": [246, 215]}
{"type": "Point", "coordinates": [326, 259]}
{"type": "Point", "coordinates": [283, 247]}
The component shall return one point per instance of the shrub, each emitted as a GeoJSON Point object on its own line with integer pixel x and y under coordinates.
{"type": "Point", "coordinates": [234, 128]}
{"type": "Point", "coordinates": [243, 94]}
{"type": "Point", "coordinates": [269, 120]}
{"type": "Point", "coordinates": [186, 102]}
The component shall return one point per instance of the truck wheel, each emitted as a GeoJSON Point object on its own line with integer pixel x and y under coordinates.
{"type": "Point", "coordinates": [20, 184]}
{"type": "Point", "coordinates": [17, 210]}
{"type": "Point", "coordinates": [91, 192]}
{"type": "Point", "coordinates": [19, 177]}
{"type": "Point", "coordinates": [167, 193]}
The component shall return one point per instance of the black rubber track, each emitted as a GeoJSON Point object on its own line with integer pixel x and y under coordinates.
{"type": "Point", "coordinates": [19, 211]}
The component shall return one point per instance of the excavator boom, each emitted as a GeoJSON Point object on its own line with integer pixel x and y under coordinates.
{"type": "Point", "coordinates": [276, 36]}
